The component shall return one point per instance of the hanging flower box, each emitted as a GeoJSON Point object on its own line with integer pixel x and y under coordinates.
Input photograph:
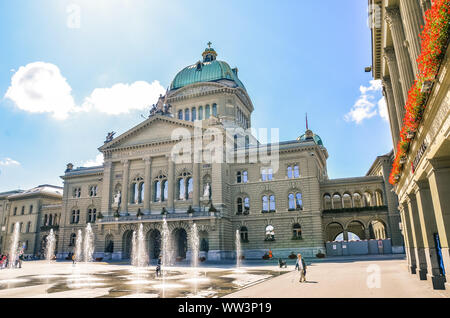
{"type": "Point", "coordinates": [410, 135]}
{"type": "Point", "coordinates": [403, 160]}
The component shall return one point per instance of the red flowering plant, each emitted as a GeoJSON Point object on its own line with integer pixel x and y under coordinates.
{"type": "Point", "coordinates": [435, 38]}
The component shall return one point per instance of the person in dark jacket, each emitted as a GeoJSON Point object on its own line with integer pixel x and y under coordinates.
{"type": "Point", "coordinates": [158, 267]}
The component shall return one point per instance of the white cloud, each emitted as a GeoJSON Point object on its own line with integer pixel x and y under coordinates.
{"type": "Point", "coordinates": [365, 106]}
{"type": "Point", "coordinates": [382, 109]}
{"type": "Point", "coordinates": [39, 87]}
{"type": "Point", "coordinates": [123, 98]}
{"type": "Point", "coordinates": [98, 161]}
{"type": "Point", "coordinates": [9, 162]}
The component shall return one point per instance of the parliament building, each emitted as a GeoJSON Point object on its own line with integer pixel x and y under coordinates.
{"type": "Point", "coordinates": [270, 195]}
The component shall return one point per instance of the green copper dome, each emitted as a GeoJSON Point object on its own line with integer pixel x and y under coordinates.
{"type": "Point", "coordinates": [310, 136]}
{"type": "Point", "coordinates": [210, 70]}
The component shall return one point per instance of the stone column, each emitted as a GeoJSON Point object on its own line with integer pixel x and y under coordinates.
{"type": "Point", "coordinates": [125, 186]}
{"type": "Point", "coordinates": [390, 102]}
{"type": "Point", "coordinates": [345, 235]}
{"type": "Point", "coordinates": [148, 184]}
{"type": "Point", "coordinates": [393, 18]}
{"type": "Point", "coordinates": [408, 228]}
{"type": "Point", "coordinates": [196, 180]}
{"type": "Point", "coordinates": [439, 179]}
{"type": "Point", "coordinates": [106, 189]}
{"type": "Point", "coordinates": [417, 236]}
{"type": "Point", "coordinates": [411, 13]}
{"type": "Point", "coordinates": [429, 227]}
{"type": "Point", "coordinates": [171, 184]}
{"type": "Point", "coordinates": [391, 59]}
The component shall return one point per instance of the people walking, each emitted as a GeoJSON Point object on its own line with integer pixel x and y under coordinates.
{"type": "Point", "coordinates": [73, 259]}
{"type": "Point", "coordinates": [300, 265]}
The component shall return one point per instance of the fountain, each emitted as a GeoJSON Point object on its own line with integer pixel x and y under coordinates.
{"type": "Point", "coordinates": [139, 256]}
{"type": "Point", "coordinates": [238, 250]}
{"type": "Point", "coordinates": [50, 246]}
{"type": "Point", "coordinates": [165, 246]}
{"type": "Point", "coordinates": [79, 247]}
{"type": "Point", "coordinates": [13, 248]}
{"type": "Point", "coordinates": [88, 244]}
{"type": "Point", "coordinates": [194, 242]}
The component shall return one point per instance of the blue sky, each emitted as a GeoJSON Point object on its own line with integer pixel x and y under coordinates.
{"type": "Point", "coordinates": [93, 72]}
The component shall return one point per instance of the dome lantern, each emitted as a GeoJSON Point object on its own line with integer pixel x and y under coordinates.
{"type": "Point", "coordinates": [209, 54]}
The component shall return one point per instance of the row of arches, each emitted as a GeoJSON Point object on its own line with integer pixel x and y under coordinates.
{"type": "Point", "coordinates": [356, 230]}
{"type": "Point", "coordinates": [355, 200]}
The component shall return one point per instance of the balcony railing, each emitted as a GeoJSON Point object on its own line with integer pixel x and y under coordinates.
{"type": "Point", "coordinates": [363, 209]}
{"type": "Point", "coordinates": [49, 227]}
{"type": "Point", "coordinates": [151, 217]}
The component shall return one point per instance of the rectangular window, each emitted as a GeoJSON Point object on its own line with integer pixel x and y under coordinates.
{"type": "Point", "coordinates": [31, 209]}
{"type": "Point", "coordinates": [264, 175]}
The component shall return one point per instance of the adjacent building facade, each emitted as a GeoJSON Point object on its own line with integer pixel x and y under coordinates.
{"type": "Point", "coordinates": [424, 185]}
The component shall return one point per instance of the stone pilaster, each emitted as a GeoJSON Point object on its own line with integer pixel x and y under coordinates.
{"type": "Point", "coordinates": [392, 111]}
{"type": "Point", "coordinates": [147, 184]}
{"type": "Point", "coordinates": [196, 179]}
{"type": "Point", "coordinates": [429, 227]}
{"type": "Point", "coordinates": [411, 13]}
{"type": "Point", "coordinates": [391, 59]}
{"type": "Point", "coordinates": [125, 186]}
{"type": "Point", "coordinates": [393, 18]}
{"type": "Point", "coordinates": [416, 231]}
{"type": "Point", "coordinates": [106, 189]}
{"type": "Point", "coordinates": [409, 241]}
{"type": "Point", "coordinates": [439, 179]}
{"type": "Point", "coordinates": [171, 184]}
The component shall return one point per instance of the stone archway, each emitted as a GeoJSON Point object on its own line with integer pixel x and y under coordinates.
{"type": "Point", "coordinates": [357, 228]}
{"type": "Point", "coordinates": [180, 242]}
{"type": "Point", "coordinates": [127, 241]}
{"type": "Point", "coordinates": [154, 243]}
{"type": "Point", "coordinates": [333, 230]}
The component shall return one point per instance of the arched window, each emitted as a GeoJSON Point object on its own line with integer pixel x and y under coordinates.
{"type": "Point", "coordinates": [296, 172]}
{"type": "Point", "coordinates": [327, 202]}
{"type": "Point", "coordinates": [244, 234]}
{"type": "Point", "coordinates": [270, 233]}
{"type": "Point", "coordinates": [357, 200]}
{"type": "Point", "coordinates": [298, 201]}
{"type": "Point", "coordinates": [246, 205]}
{"type": "Point", "coordinates": [141, 191]}
{"type": "Point", "coordinates": [214, 110]}
{"type": "Point", "coordinates": [109, 244]}
{"type": "Point", "coordinates": [73, 239]}
{"type": "Point", "coordinates": [186, 114]}
{"type": "Point", "coordinates": [207, 112]}
{"type": "Point", "coordinates": [296, 231]}
{"type": "Point", "coordinates": [238, 177]}
{"type": "Point", "coordinates": [157, 191]}
{"type": "Point", "coordinates": [20, 227]}
{"type": "Point", "coordinates": [239, 206]}
{"type": "Point", "coordinates": [291, 199]}
{"type": "Point", "coordinates": [290, 174]}
{"type": "Point", "coordinates": [347, 201]}
{"type": "Point", "coordinates": [190, 188]}
{"type": "Point", "coordinates": [272, 203]}
{"type": "Point", "coordinates": [50, 220]}
{"type": "Point", "coordinates": [93, 190]}
{"type": "Point", "coordinates": [29, 227]}
{"type": "Point", "coordinates": [46, 220]}
{"type": "Point", "coordinates": [265, 204]}
{"type": "Point", "coordinates": [75, 216]}
{"type": "Point", "coordinates": [368, 198]}
{"type": "Point", "coordinates": [337, 201]}
{"type": "Point", "coordinates": [200, 113]}
{"type": "Point", "coordinates": [194, 114]}
{"type": "Point", "coordinates": [31, 209]}
{"type": "Point", "coordinates": [180, 114]}
{"type": "Point", "coordinates": [23, 210]}
{"type": "Point", "coordinates": [181, 189]}
{"type": "Point", "coordinates": [165, 192]}
{"type": "Point", "coordinates": [92, 215]}
{"type": "Point", "coordinates": [244, 176]}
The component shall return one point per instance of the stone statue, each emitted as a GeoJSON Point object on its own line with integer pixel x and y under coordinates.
{"type": "Point", "coordinates": [207, 191]}
{"type": "Point", "coordinates": [110, 136]}
{"type": "Point", "coordinates": [117, 198]}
